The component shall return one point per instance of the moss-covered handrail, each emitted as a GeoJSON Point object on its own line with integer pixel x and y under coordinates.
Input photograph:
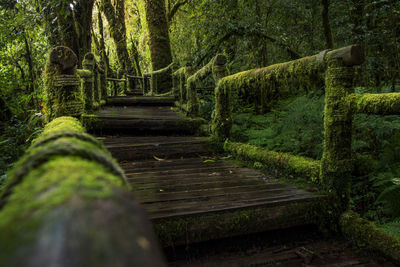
{"type": "Point", "coordinates": [216, 67]}
{"type": "Point", "coordinates": [179, 79]}
{"type": "Point", "coordinates": [67, 203]}
{"type": "Point", "coordinates": [332, 68]}
{"type": "Point", "coordinates": [161, 80]}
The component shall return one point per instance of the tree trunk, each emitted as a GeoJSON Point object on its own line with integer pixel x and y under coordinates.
{"type": "Point", "coordinates": [326, 24]}
{"type": "Point", "coordinates": [115, 15]}
{"type": "Point", "coordinates": [71, 28]}
{"type": "Point", "coordinates": [159, 43]}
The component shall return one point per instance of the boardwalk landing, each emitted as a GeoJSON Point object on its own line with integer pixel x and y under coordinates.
{"type": "Point", "coordinates": [190, 194]}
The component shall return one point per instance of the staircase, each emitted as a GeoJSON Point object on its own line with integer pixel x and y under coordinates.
{"type": "Point", "coordinates": [190, 193]}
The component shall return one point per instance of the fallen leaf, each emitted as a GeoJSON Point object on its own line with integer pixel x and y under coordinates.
{"type": "Point", "coordinates": [157, 158]}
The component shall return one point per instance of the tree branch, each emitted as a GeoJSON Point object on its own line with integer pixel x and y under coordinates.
{"type": "Point", "coordinates": [242, 32]}
{"type": "Point", "coordinates": [175, 9]}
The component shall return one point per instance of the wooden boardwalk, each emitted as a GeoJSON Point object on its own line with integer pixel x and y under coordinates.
{"type": "Point", "coordinates": [190, 194]}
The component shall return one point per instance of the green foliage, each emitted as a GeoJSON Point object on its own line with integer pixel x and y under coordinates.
{"type": "Point", "coordinates": [392, 228]}
{"type": "Point", "coordinates": [295, 126]}
{"type": "Point", "coordinates": [14, 140]}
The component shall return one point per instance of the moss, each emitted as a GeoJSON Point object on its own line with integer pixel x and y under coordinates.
{"type": "Point", "coordinates": [161, 80]}
{"type": "Point", "coordinates": [193, 100]}
{"type": "Point", "coordinates": [62, 124]}
{"type": "Point", "coordinates": [181, 230]}
{"type": "Point", "coordinates": [45, 187]}
{"type": "Point", "coordinates": [366, 234]}
{"type": "Point", "coordinates": [61, 92]}
{"type": "Point", "coordinates": [91, 122]}
{"type": "Point", "coordinates": [336, 163]}
{"type": "Point", "coordinates": [284, 162]}
{"type": "Point", "coordinates": [222, 121]}
{"type": "Point", "coordinates": [378, 104]}
{"type": "Point", "coordinates": [264, 85]}
{"type": "Point", "coordinates": [213, 67]}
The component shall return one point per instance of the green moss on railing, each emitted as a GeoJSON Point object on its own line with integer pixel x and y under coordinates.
{"type": "Point", "coordinates": [67, 196]}
{"type": "Point", "coordinates": [365, 234]}
{"type": "Point", "coordinates": [285, 163]}
{"type": "Point", "coordinates": [378, 104]}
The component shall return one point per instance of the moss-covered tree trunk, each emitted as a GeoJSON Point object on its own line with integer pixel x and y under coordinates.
{"type": "Point", "coordinates": [159, 43]}
{"type": "Point", "coordinates": [71, 27]}
{"type": "Point", "coordinates": [115, 14]}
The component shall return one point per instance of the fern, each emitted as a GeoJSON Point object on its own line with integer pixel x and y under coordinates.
{"type": "Point", "coordinates": [392, 228]}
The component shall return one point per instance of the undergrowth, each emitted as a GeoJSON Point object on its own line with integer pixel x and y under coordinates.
{"type": "Point", "coordinates": [15, 137]}
{"type": "Point", "coordinates": [296, 126]}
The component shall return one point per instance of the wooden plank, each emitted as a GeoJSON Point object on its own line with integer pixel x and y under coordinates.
{"type": "Point", "coordinates": [217, 195]}
{"type": "Point", "coordinates": [146, 139]}
{"type": "Point", "coordinates": [154, 195]}
{"type": "Point", "coordinates": [185, 229]}
{"type": "Point", "coordinates": [140, 101]}
{"type": "Point", "coordinates": [157, 211]}
{"type": "Point", "coordinates": [199, 183]}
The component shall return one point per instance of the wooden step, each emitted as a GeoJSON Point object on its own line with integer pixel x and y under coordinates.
{"type": "Point", "coordinates": [198, 199]}
{"type": "Point", "coordinates": [161, 147]}
{"type": "Point", "coordinates": [139, 120]}
{"type": "Point", "coordinates": [140, 101]}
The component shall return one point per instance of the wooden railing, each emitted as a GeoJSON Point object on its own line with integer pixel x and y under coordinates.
{"type": "Point", "coordinates": [160, 80]}
{"type": "Point", "coordinates": [67, 203]}
{"type": "Point", "coordinates": [334, 69]}
{"type": "Point", "coordinates": [186, 84]}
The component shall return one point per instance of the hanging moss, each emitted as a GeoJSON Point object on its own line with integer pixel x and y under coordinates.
{"type": "Point", "coordinates": [283, 162]}
{"type": "Point", "coordinates": [336, 163]}
{"type": "Point", "coordinates": [378, 104]}
{"type": "Point", "coordinates": [366, 234]}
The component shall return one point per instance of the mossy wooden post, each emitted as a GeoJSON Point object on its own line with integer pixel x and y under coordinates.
{"type": "Point", "coordinates": [336, 163]}
{"type": "Point", "coordinates": [96, 85]}
{"type": "Point", "coordinates": [103, 81]}
{"type": "Point", "coordinates": [87, 75]}
{"type": "Point", "coordinates": [189, 71]}
{"type": "Point", "coordinates": [67, 203]}
{"type": "Point", "coordinates": [62, 91]}
{"type": "Point", "coordinates": [219, 68]}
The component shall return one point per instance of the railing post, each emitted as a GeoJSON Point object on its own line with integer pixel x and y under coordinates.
{"type": "Point", "coordinates": [103, 81]}
{"type": "Point", "coordinates": [87, 75]}
{"type": "Point", "coordinates": [183, 79]}
{"type": "Point", "coordinates": [222, 121]}
{"type": "Point", "coordinates": [62, 84]}
{"type": "Point", "coordinates": [96, 84]}
{"type": "Point", "coordinates": [336, 163]}
{"type": "Point", "coordinates": [219, 68]}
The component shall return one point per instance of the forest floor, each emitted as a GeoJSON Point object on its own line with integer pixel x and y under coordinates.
{"type": "Point", "coordinates": [301, 246]}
